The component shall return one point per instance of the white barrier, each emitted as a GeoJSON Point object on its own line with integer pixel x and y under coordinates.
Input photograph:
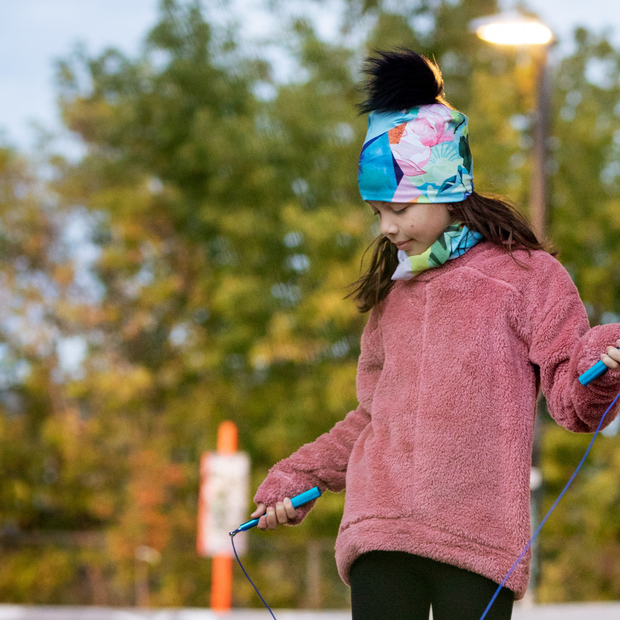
{"type": "Point", "coordinates": [577, 611]}
{"type": "Point", "coordinates": [574, 611]}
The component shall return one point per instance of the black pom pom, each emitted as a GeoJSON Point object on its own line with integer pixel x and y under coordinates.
{"type": "Point", "coordinates": [399, 80]}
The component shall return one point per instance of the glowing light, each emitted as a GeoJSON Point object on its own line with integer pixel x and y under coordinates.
{"type": "Point", "coordinates": [527, 32]}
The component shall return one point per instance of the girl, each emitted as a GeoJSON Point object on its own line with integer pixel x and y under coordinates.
{"type": "Point", "coordinates": [469, 318]}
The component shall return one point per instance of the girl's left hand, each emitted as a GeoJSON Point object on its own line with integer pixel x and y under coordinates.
{"type": "Point", "coordinates": [611, 359]}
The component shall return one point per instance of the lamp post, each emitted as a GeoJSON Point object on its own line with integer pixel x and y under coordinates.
{"type": "Point", "coordinates": [512, 28]}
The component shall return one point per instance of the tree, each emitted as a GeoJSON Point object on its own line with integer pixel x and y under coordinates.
{"type": "Point", "coordinates": [215, 217]}
{"type": "Point", "coordinates": [221, 217]}
{"type": "Point", "coordinates": [39, 455]}
{"type": "Point", "coordinates": [579, 546]}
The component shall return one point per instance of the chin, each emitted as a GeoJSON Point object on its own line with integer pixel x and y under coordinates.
{"type": "Point", "coordinates": [415, 251]}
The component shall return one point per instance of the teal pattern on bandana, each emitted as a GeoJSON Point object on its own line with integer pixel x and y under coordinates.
{"type": "Point", "coordinates": [453, 242]}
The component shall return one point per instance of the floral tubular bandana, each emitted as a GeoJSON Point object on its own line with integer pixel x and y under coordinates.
{"type": "Point", "coordinates": [453, 242]}
{"type": "Point", "coordinates": [416, 155]}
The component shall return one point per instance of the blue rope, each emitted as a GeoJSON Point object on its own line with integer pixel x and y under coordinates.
{"type": "Point", "coordinates": [232, 540]}
{"type": "Point", "coordinates": [529, 544]}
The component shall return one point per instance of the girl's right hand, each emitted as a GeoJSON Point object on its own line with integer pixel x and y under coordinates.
{"type": "Point", "coordinates": [281, 513]}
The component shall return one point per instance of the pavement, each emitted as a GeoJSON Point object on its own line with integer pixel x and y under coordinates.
{"type": "Point", "coordinates": [577, 611]}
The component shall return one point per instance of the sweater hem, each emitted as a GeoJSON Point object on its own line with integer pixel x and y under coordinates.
{"type": "Point", "coordinates": [410, 536]}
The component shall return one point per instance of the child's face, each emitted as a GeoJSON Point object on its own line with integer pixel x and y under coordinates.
{"type": "Point", "coordinates": [410, 226]}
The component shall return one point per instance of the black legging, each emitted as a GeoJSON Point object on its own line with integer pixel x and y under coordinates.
{"type": "Point", "coordinates": [392, 585]}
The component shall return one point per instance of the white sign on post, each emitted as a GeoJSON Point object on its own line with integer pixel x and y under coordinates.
{"type": "Point", "coordinates": [223, 505]}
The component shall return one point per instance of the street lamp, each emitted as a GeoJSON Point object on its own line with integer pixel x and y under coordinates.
{"type": "Point", "coordinates": [512, 28]}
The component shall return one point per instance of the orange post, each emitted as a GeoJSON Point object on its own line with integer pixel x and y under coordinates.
{"type": "Point", "coordinates": [227, 437]}
{"type": "Point", "coordinates": [222, 565]}
{"type": "Point", "coordinates": [221, 583]}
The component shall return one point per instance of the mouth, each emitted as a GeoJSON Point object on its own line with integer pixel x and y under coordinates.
{"type": "Point", "coordinates": [402, 244]}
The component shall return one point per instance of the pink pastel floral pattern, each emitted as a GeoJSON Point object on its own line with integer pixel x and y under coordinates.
{"type": "Point", "coordinates": [432, 125]}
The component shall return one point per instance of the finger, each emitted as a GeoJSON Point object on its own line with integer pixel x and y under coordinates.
{"type": "Point", "coordinates": [260, 510]}
{"type": "Point", "coordinates": [281, 513]}
{"type": "Point", "coordinates": [609, 362]}
{"type": "Point", "coordinates": [290, 511]}
{"type": "Point", "coordinates": [262, 523]}
{"type": "Point", "coordinates": [613, 353]}
{"type": "Point", "coordinates": [272, 521]}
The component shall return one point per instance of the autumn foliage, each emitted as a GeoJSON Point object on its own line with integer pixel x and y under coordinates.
{"type": "Point", "coordinates": [192, 266]}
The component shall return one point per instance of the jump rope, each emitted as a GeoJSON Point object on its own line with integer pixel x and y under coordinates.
{"type": "Point", "coordinates": [307, 496]}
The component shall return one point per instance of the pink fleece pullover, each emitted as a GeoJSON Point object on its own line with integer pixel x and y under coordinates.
{"type": "Point", "coordinates": [436, 458]}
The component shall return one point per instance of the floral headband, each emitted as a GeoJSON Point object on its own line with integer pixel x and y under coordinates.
{"type": "Point", "coordinates": [416, 155]}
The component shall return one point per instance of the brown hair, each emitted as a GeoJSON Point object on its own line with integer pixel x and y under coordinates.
{"type": "Point", "coordinates": [496, 219]}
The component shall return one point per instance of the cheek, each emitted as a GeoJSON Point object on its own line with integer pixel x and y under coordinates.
{"type": "Point", "coordinates": [442, 218]}
{"type": "Point", "coordinates": [436, 223]}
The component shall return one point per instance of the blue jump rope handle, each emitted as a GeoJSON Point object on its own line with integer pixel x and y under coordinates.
{"type": "Point", "coordinates": [297, 501]}
{"type": "Point", "coordinates": [594, 372]}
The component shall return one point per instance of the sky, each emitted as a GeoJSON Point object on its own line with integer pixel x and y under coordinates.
{"type": "Point", "coordinates": [34, 33]}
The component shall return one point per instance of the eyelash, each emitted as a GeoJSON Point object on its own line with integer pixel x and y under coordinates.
{"type": "Point", "coordinates": [378, 213]}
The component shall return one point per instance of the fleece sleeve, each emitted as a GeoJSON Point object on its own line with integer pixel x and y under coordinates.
{"type": "Point", "coordinates": [324, 462]}
{"type": "Point", "coordinates": [563, 346]}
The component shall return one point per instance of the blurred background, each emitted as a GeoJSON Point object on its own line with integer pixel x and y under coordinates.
{"type": "Point", "coordinates": [179, 221]}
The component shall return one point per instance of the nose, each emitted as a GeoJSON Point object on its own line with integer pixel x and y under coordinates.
{"type": "Point", "coordinates": [388, 225]}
